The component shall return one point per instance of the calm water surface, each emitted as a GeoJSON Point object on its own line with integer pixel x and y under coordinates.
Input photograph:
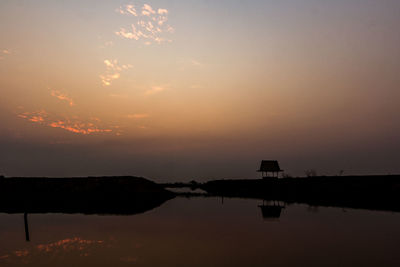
{"type": "Point", "coordinates": [205, 232]}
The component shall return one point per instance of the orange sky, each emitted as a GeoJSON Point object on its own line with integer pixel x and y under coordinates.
{"type": "Point", "coordinates": [176, 90]}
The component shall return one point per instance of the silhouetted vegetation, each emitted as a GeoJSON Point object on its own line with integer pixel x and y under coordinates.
{"type": "Point", "coordinates": [369, 192]}
{"type": "Point", "coordinates": [310, 173]}
{"type": "Point", "coordinates": [100, 195]}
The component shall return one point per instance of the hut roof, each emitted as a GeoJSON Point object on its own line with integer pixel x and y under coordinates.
{"type": "Point", "coordinates": [269, 166]}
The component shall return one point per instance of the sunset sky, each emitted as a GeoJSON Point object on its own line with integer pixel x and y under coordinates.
{"type": "Point", "coordinates": [182, 90]}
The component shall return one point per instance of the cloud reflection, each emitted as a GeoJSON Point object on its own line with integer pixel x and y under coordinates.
{"type": "Point", "coordinates": [75, 243]}
{"type": "Point", "coordinates": [68, 245]}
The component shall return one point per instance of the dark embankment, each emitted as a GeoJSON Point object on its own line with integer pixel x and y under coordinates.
{"type": "Point", "coordinates": [367, 192]}
{"type": "Point", "coordinates": [97, 195]}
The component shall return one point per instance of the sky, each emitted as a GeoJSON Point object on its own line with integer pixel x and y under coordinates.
{"type": "Point", "coordinates": [183, 90]}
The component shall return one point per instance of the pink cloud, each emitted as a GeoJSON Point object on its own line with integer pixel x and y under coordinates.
{"type": "Point", "coordinates": [138, 116]}
{"type": "Point", "coordinates": [147, 10]}
{"type": "Point", "coordinates": [154, 90]}
{"type": "Point", "coordinates": [74, 125]}
{"type": "Point", "coordinates": [150, 26]}
{"type": "Point", "coordinates": [63, 97]}
{"type": "Point", "coordinates": [113, 71]}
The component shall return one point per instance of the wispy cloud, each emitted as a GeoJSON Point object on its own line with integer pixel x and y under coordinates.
{"type": "Point", "coordinates": [150, 25]}
{"type": "Point", "coordinates": [107, 44]}
{"type": "Point", "coordinates": [118, 95]}
{"type": "Point", "coordinates": [74, 125]}
{"type": "Point", "coordinates": [4, 53]}
{"type": "Point", "coordinates": [154, 90]}
{"type": "Point", "coordinates": [106, 79]}
{"type": "Point", "coordinates": [196, 63]}
{"type": "Point", "coordinates": [127, 10]}
{"type": "Point", "coordinates": [138, 116]}
{"type": "Point", "coordinates": [187, 63]}
{"type": "Point", "coordinates": [113, 71]}
{"type": "Point", "coordinates": [196, 86]}
{"type": "Point", "coordinates": [162, 11]}
{"type": "Point", "coordinates": [63, 97]}
{"type": "Point", "coordinates": [147, 10]}
{"type": "Point", "coordinates": [36, 116]}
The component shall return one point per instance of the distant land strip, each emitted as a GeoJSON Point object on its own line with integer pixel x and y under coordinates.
{"type": "Point", "coordinates": [375, 192]}
{"type": "Point", "coordinates": [90, 195]}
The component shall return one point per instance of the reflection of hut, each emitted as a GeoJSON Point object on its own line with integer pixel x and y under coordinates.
{"type": "Point", "coordinates": [269, 166]}
{"type": "Point", "coordinates": [271, 211]}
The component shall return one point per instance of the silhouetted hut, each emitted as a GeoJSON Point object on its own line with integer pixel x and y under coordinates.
{"type": "Point", "coordinates": [270, 166]}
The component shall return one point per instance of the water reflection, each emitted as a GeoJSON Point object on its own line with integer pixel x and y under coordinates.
{"type": "Point", "coordinates": [64, 247]}
{"type": "Point", "coordinates": [26, 227]}
{"type": "Point", "coordinates": [204, 232]}
{"type": "Point", "coordinates": [271, 210]}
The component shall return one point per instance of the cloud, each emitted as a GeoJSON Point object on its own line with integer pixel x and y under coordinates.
{"type": "Point", "coordinates": [113, 71]}
{"type": "Point", "coordinates": [133, 35]}
{"type": "Point", "coordinates": [162, 11]}
{"type": "Point", "coordinates": [138, 116]}
{"type": "Point", "coordinates": [118, 95]}
{"type": "Point", "coordinates": [74, 125]}
{"type": "Point", "coordinates": [147, 10]}
{"type": "Point", "coordinates": [196, 86]}
{"type": "Point", "coordinates": [155, 90]}
{"type": "Point", "coordinates": [113, 65]}
{"type": "Point", "coordinates": [127, 10]}
{"type": "Point", "coordinates": [149, 25]}
{"type": "Point", "coordinates": [36, 116]}
{"type": "Point", "coordinates": [170, 29]}
{"type": "Point", "coordinates": [63, 97]}
{"type": "Point", "coordinates": [4, 52]}
{"type": "Point", "coordinates": [108, 78]}
{"type": "Point", "coordinates": [107, 44]}
{"type": "Point", "coordinates": [196, 63]}
{"type": "Point", "coordinates": [187, 63]}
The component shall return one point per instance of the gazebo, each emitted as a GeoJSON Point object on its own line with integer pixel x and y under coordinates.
{"type": "Point", "coordinates": [269, 166]}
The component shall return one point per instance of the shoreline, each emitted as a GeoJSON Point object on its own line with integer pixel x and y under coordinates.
{"type": "Point", "coordinates": [373, 192]}
{"type": "Point", "coordinates": [131, 195]}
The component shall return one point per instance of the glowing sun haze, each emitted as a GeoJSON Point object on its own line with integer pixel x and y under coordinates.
{"type": "Point", "coordinates": [176, 90]}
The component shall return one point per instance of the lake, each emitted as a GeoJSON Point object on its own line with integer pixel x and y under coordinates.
{"type": "Point", "coordinates": [205, 232]}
